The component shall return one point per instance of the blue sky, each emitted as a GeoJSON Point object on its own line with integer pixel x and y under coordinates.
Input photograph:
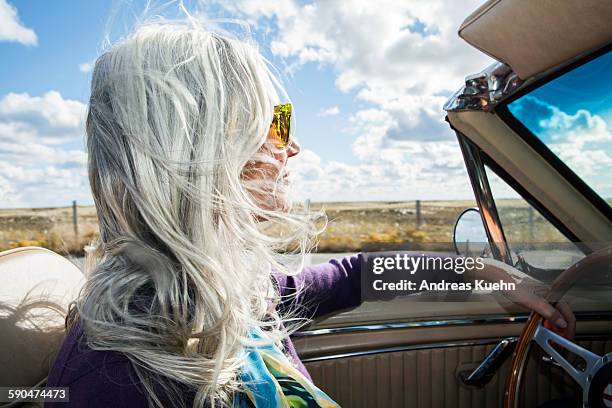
{"type": "Point", "coordinates": [367, 81]}
{"type": "Point", "coordinates": [572, 115]}
{"type": "Point", "coordinates": [68, 34]}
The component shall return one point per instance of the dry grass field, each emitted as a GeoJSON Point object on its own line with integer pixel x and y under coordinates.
{"type": "Point", "coordinates": [384, 225]}
{"type": "Point", "coordinates": [51, 228]}
{"type": "Point", "coordinates": [352, 226]}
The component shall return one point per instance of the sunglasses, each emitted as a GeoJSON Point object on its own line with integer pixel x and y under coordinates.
{"type": "Point", "coordinates": [282, 125]}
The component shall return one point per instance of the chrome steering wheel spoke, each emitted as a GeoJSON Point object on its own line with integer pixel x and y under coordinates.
{"type": "Point", "coordinates": [544, 337]}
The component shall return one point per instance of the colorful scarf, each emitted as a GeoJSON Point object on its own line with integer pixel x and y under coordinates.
{"type": "Point", "coordinates": [273, 382]}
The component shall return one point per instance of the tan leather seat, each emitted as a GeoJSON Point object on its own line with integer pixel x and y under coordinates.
{"type": "Point", "coordinates": [36, 287]}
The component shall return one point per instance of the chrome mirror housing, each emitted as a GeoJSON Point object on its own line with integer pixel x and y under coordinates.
{"type": "Point", "coordinates": [469, 235]}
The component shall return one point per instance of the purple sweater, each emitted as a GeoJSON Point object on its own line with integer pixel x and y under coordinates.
{"type": "Point", "coordinates": [107, 379]}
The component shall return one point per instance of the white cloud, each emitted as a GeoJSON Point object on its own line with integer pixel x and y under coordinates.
{"type": "Point", "coordinates": [579, 128]}
{"type": "Point", "coordinates": [399, 59]}
{"type": "Point", "coordinates": [402, 59]}
{"type": "Point", "coordinates": [5, 189]}
{"type": "Point", "coordinates": [549, 122]}
{"type": "Point", "coordinates": [331, 111]}
{"type": "Point", "coordinates": [589, 163]}
{"type": "Point", "coordinates": [581, 140]}
{"type": "Point", "coordinates": [11, 28]}
{"type": "Point", "coordinates": [42, 161]}
{"type": "Point", "coordinates": [47, 119]}
{"type": "Point", "coordinates": [426, 174]}
{"type": "Point", "coordinates": [86, 66]}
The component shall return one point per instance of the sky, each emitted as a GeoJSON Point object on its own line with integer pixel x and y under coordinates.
{"type": "Point", "coordinates": [572, 115]}
{"type": "Point", "coordinates": [367, 81]}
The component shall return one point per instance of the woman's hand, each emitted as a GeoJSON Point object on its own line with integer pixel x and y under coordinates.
{"type": "Point", "coordinates": [559, 319]}
{"type": "Point", "coordinates": [568, 332]}
{"type": "Point", "coordinates": [529, 293]}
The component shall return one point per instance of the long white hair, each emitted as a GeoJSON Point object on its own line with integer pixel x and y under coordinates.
{"type": "Point", "coordinates": [183, 265]}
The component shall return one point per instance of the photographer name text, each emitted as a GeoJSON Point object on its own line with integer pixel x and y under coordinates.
{"type": "Point", "coordinates": [410, 286]}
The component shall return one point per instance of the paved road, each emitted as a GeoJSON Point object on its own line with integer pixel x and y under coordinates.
{"type": "Point", "coordinates": [313, 259]}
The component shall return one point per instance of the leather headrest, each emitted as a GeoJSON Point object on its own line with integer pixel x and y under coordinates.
{"type": "Point", "coordinates": [36, 287]}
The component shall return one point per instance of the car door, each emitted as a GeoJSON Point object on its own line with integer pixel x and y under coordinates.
{"type": "Point", "coordinates": [417, 351]}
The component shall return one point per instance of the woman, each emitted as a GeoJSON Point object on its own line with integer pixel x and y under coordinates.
{"type": "Point", "coordinates": [181, 307]}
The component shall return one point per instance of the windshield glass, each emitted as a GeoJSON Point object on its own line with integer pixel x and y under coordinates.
{"type": "Point", "coordinates": [572, 116]}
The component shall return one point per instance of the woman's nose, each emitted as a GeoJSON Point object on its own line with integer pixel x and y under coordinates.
{"type": "Point", "coordinates": [293, 148]}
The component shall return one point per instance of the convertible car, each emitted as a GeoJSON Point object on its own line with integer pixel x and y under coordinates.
{"type": "Point", "coordinates": [538, 124]}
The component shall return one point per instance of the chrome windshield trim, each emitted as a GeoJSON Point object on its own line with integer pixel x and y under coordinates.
{"type": "Point", "coordinates": [407, 325]}
{"type": "Point", "coordinates": [485, 200]}
{"type": "Point", "coordinates": [492, 319]}
{"type": "Point", "coordinates": [403, 348]}
{"type": "Point", "coordinates": [484, 90]}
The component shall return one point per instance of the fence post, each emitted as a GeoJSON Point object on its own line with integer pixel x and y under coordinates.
{"type": "Point", "coordinates": [418, 214]}
{"type": "Point", "coordinates": [531, 222]}
{"type": "Point", "coordinates": [307, 205]}
{"type": "Point", "coordinates": [75, 221]}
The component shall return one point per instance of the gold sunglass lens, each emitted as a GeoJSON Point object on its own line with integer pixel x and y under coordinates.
{"type": "Point", "coordinates": [282, 124]}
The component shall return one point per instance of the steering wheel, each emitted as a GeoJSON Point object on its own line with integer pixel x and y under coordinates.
{"type": "Point", "coordinates": [597, 373]}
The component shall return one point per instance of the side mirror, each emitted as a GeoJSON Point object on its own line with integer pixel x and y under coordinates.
{"type": "Point", "coordinates": [469, 235]}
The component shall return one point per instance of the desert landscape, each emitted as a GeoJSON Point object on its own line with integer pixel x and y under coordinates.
{"type": "Point", "coordinates": [352, 226]}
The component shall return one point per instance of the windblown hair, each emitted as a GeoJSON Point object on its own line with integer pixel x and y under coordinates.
{"type": "Point", "coordinates": [183, 265]}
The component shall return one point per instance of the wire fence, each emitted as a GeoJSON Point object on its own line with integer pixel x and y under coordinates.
{"type": "Point", "coordinates": [352, 226]}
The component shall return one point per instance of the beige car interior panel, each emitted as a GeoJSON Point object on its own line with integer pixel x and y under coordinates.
{"type": "Point", "coordinates": [540, 179]}
{"type": "Point", "coordinates": [415, 379]}
{"type": "Point", "coordinates": [325, 345]}
{"type": "Point", "coordinates": [428, 378]}
{"type": "Point", "coordinates": [534, 36]}
{"type": "Point", "coordinates": [37, 286]}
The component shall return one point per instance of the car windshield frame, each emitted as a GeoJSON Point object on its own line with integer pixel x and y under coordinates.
{"type": "Point", "coordinates": [540, 147]}
{"type": "Point", "coordinates": [485, 160]}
